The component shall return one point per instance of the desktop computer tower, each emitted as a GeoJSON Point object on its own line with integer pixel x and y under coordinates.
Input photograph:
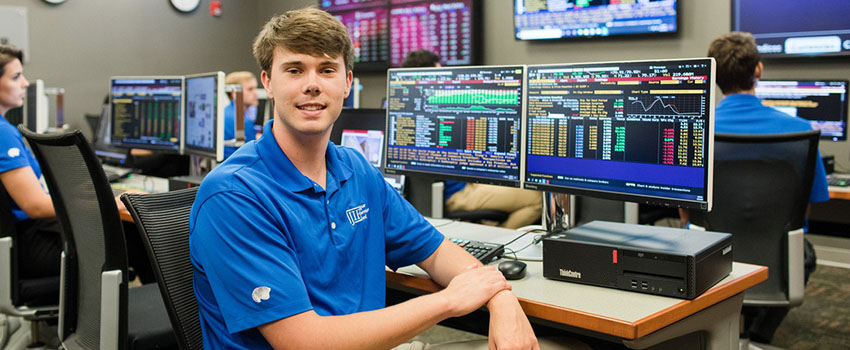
{"type": "Point", "coordinates": [647, 259]}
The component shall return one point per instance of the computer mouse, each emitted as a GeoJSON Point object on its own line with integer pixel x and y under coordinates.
{"type": "Point", "coordinates": [512, 269]}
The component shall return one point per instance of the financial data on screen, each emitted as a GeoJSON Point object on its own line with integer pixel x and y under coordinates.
{"type": "Point", "coordinates": [462, 122]}
{"type": "Point", "coordinates": [638, 131]}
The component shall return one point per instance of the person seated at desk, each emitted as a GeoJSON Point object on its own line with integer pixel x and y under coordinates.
{"type": "Point", "coordinates": [299, 262]}
{"type": "Point", "coordinates": [739, 67]}
{"type": "Point", "coordinates": [35, 218]}
{"type": "Point", "coordinates": [250, 100]}
{"type": "Point", "coordinates": [524, 206]}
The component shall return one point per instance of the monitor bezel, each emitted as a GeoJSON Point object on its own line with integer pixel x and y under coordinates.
{"type": "Point", "coordinates": [844, 108]}
{"type": "Point", "coordinates": [221, 97]}
{"type": "Point", "coordinates": [466, 178]}
{"type": "Point", "coordinates": [632, 197]}
{"type": "Point", "coordinates": [163, 149]}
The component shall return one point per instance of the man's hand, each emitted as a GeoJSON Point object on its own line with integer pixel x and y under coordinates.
{"type": "Point", "coordinates": [469, 290]}
{"type": "Point", "coordinates": [509, 327]}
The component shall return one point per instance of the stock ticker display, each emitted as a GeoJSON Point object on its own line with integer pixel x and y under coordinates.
{"type": "Point", "coordinates": [822, 103]}
{"type": "Point", "coordinates": [444, 28]}
{"type": "Point", "coordinates": [369, 35]}
{"type": "Point", "coordinates": [639, 128]}
{"type": "Point", "coordinates": [146, 112]}
{"type": "Point", "coordinates": [462, 122]}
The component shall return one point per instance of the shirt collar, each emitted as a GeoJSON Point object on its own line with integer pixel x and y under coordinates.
{"type": "Point", "coordinates": [288, 175]}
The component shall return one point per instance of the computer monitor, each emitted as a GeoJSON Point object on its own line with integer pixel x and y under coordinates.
{"type": "Point", "coordinates": [822, 102]}
{"type": "Point", "coordinates": [363, 130]}
{"type": "Point", "coordinates": [456, 123]}
{"type": "Point", "coordinates": [204, 115]}
{"type": "Point", "coordinates": [146, 112]}
{"type": "Point", "coordinates": [37, 107]}
{"type": "Point", "coordinates": [102, 143]}
{"type": "Point", "coordinates": [537, 20]}
{"type": "Point", "coordinates": [637, 131]}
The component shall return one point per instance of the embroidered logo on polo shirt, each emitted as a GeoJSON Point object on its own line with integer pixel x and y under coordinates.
{"type": "Point", "coordinates": [14, 152]}
{"type": "Point", "coordinates": [260, 293]}
{"type": "Point", "coordinates": [357, 214]}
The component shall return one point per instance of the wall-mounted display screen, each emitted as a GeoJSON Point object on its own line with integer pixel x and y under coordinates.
{"type": "Point", "coordinates": [549, 19]}
{"type": "Point", "coordinates": [787, 28]}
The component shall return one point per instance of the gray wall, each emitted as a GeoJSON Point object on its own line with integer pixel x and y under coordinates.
{"type": "Point", "coordinates": [700, 22]}
{"type": "Point", "coordinates": [79, 44]}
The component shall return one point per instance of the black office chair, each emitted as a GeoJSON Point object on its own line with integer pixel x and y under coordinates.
{"type": "Point", "coordinates": [33, 299]}
{"type": "Point", "coordinates": [163, 222]}
{"type": "Point", "coordinates": [95, 301]}
{"type": "Point", "coordinates": [761, 190]}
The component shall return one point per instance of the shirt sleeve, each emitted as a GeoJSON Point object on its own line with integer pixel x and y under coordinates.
{"type": "Point", "coordinates": [12, 152]}
{"type": "Point", "coordinates": [410, 238]}
{"type": "Point", "coordinates": [249, 261]}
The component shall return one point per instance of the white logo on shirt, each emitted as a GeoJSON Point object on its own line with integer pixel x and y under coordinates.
{"type": "Point", "coordinates": [357, 214]}
{"type": "Point", "coordinates": [14, 152]}
{"type": "Point", "coordinates": [260, 293]}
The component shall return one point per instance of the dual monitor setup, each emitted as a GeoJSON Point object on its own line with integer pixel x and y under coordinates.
{"type": "Point", "coordinates": [180, 114]}
{"type": "Point", "coordinates": [637, 131]}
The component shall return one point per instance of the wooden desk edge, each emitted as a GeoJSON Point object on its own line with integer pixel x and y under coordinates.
{"type": "Point", "coordinates": [839, 194]}
{"type": "Point", "coordinates": [602, 324]}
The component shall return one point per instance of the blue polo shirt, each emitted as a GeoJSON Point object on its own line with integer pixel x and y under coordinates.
{"type": "Point", "coordinates": [15, 154]}
{"type": "Point", "coordinates": [267, 242]}
{"type": "Point", "coordinates": [745, 114]}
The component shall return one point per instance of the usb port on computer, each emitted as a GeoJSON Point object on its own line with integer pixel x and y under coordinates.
{"type": "Point", "coordinates": [644, 285]}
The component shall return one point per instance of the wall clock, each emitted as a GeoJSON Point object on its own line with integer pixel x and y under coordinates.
{"type": "Point", "coordinates": [183, 5]}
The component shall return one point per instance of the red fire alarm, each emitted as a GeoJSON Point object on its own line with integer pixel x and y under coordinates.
{"type": "Point", "coordinates": [215, 8]}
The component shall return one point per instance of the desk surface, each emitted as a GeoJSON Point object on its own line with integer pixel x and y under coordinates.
{"type": "Point", "coordinates": [623, 314]}
{"type": "Point", "coordinates": [836, 192]}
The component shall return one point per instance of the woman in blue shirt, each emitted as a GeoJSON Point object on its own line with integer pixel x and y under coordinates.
{"type": "Point", "coordinates": [40, 242]}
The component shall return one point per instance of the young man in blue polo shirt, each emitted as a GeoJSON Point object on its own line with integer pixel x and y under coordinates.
{"type": "Point", "coordinates": [290, 235]}
{"type": "Point", "coordinates": [741, 112]}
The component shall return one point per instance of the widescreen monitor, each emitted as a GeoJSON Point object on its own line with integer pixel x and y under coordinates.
{"type": "Point", "coordinates": [637, 131]}
{"type": "Point", "coordinates": [204, 115]}
{"type": "Point", "coordinates": [146, 112]}
{"type": "Point", "coordinates": [446, 28]}
{"type": "Point", "coordinates": [788, 28]}
{"type": "Point", "coordinates": [823, 103]}
{"type": "Point", "coordinates": [537, 20]}
{"type": "Point", "coordinates": [102, 142]}
{"type": "Point", "coordinates": [456, 123]}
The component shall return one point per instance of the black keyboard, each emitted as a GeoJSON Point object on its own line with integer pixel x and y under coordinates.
{"type": "Point", "coordinates": [483, 251]}
{"type": "Point", "coordinates": [840, 181]}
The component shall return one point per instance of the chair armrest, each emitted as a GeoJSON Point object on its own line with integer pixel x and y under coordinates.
{"type": "Point", "coordinates": [6, 306]}
{"type": "Point", "coordinates": [796, 273]}
{"type": "Point", "coordinates": [110, 289]}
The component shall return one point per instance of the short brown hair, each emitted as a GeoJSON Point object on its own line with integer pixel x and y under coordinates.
{"type": "Point", "coordinates": [420, 58]}
{"type": "Point", "coordinates": [737, 56]}
{"type": "Point", "coordinates": [7, 54]}
{"type": "Point", "coordinates": [307, 31]}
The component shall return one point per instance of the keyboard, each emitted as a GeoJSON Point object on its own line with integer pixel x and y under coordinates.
{"type": "Point", "coordinates": [114, 173]}
{"type": "Point", "coordinates": [840, 180]}
{"type": "Point", "coordinates": [483, 251]}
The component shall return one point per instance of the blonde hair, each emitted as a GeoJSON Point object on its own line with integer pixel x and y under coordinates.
{"type": "Point", "coordinates": [239, 77]}
{"type": "Point", "coordinates": [306, 31]}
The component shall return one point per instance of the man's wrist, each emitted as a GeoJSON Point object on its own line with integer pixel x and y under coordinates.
{"type": "Point", "coordinates": [504, 298]}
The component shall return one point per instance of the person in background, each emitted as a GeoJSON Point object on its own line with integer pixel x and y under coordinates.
{"type": "Point", "coordinates": [739, 68]}
{"type": "Point", "coordinates": [249, 100]}
{"type": "Point", "coordinates": [524, 206]}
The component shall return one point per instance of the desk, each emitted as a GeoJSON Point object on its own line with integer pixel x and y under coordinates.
{"type": "Point", "coordinates": [839, 192]}
{"type": "Point", "coordinates": [637, 320]}
{"type": "Point", "coordinates": [138, 182]}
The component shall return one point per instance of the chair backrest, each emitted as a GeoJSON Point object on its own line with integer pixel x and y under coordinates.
{"type": "Point", "coordinates": [761, 190]}
{"type": "Point", "coordinates": [93, 240]}
{"type": "Point", "coordinates": [163, 222]}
